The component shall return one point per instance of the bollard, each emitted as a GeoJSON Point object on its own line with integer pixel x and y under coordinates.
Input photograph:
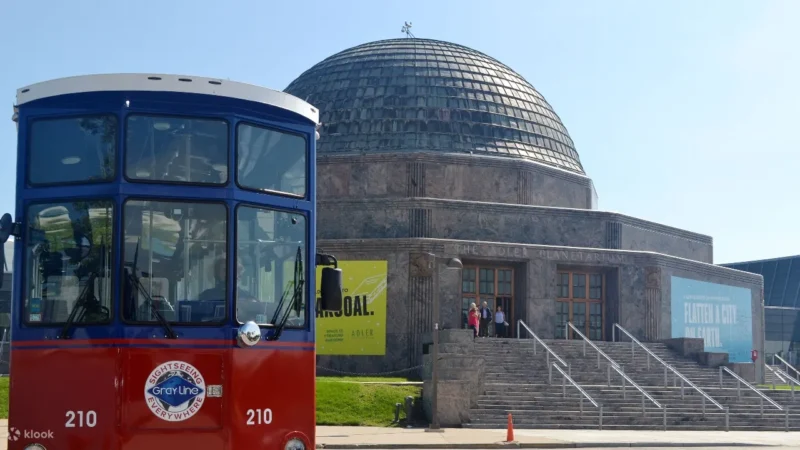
{"type": "Point", "coordinates": [409, 409]}
{"type": "Point", "coordinates": [397, 412]}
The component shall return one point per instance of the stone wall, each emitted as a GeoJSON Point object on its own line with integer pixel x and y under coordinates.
{"type": "Point", "coordinates": [636, 290]}
{"type": "Point", "coordinates": [494, 222]}
{"type": "Point", "coordinates": [451, 176]}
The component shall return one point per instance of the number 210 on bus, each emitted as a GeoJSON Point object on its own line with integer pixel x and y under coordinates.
{"type": "Point", "coordinates": [164, 231]}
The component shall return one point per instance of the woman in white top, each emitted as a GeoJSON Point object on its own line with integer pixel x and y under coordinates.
{"type": "Point", "coordinates": [500, 322]}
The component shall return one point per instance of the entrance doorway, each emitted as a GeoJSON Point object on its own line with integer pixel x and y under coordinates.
{"type": "Point", "coordinates": [493, 285]}
{"type": "Point", "coordinates": [581, 297]}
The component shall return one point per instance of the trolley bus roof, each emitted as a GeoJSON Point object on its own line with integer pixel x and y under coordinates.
{"type": "Point", "coordinates": [166, 83]}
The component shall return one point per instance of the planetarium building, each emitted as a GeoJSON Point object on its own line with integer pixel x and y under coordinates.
{"type": "Point", "coordinates": [445, 178]}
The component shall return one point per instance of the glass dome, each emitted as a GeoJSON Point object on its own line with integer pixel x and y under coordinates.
{"type": "Point", "coordinates": [410, 95]}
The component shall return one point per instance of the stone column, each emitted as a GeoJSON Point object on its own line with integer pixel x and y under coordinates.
{"type": "Point", "coordinates": [652, 300]}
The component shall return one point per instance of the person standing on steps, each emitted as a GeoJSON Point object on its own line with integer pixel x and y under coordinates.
{"type": "Point", "coordinates": [474, 319]}
{"type": "Point", "coordinates": [499, 322]}
{"type": "Point", "coordinates": [486, 318]}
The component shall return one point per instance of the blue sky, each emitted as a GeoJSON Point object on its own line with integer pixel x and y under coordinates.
{"type": "Point", "coordinates": [682, 111]}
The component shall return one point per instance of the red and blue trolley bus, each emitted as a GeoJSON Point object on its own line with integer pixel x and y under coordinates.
{"type": "Point", "coordinates": [165, 240]}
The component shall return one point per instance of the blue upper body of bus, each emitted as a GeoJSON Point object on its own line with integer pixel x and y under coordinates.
{"type": "Point", "coordinates": [157, 205]}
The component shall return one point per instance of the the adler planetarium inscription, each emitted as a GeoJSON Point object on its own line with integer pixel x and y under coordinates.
{"type": "Point", "coordinates": [502, 251]}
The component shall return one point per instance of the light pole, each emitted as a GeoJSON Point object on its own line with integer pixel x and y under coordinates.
{"type": "Point", "coordinates": [452, 263]}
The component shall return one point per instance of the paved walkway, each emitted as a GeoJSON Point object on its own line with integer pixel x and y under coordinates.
{"type": "Point", "coordinates": [368, 437]}
{"type": "Point", "coordinates": [387, 438]}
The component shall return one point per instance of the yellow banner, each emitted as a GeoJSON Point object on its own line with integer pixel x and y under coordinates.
{"type": "Point", "coordinates": [360, 327]}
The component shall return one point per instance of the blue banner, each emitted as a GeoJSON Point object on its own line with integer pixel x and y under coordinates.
{"type": "Point", "coordinates": [718, 313]}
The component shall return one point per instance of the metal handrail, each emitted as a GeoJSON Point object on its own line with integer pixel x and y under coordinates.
{"type": "Point", "coordinates": [788, 366]}
{"type": "Point", "coordinates": [674, 370]}
{"type": "Point", "coordinates": [775, 372]}
{"type": "Point", "coordinates": [536, 338]}
{"type": "Point", "coordinates": [741, 380]}
{"type": "Point", "coordinates": [783, 376]}
{"type": "Point", "coordinates": [614, 366]}
{"type": "Point", "coordinates": [564, 378]}
{"type": "Point", "coordinates": [577, 386]}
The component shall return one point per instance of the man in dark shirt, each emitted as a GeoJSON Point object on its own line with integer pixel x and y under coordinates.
{"type": "Point", "coordinates": [486, 318]}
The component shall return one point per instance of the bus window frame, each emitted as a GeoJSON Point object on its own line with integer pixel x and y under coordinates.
{"type": "Point", "coordinates": [306, 265]}
{"type": "Point", "coordinates": [71, 115]}
{"type": "Point", "coordinates": [122, 294]}
{"type": "Point", "coordinates": [185, 116]}
{"type": "Point", "coordinates": [112, 310]}
{"type": "Point", "coordinates": [272, 127]}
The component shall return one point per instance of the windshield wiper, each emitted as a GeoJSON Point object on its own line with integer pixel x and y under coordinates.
{"type": "Point", "coordinates": [80, 305]}
{"type": "Point", "coordinates": [134, 279]}
{"type": "Point", "coordinates": [295, 290]}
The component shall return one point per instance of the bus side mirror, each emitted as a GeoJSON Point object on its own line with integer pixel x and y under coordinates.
{"type": "Point", "coordinates": [331, 289]}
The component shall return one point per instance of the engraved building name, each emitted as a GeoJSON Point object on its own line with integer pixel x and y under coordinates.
{"type": "Point", "coordinates": [525, 253]}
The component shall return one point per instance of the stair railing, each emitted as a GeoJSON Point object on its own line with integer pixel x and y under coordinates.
{"type": "Point", "coordinates": [788, 366]}
{"type": "Point", "coordinates": [783, 376]}
{"type": "Point", "coordinates": [564, 378]}
{"type": "Point", "coordinates": [535, 340]}
{"type": "Point", "coordinates": [674, 371]}
{"type": "Point", "coordinates": [612, 365]}
{"type": "Point", "coordinates": [742, 381]}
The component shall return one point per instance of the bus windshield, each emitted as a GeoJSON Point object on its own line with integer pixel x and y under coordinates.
{"type": "Point", "coordinates": [174, 256]}
{"type": "Point", "coordinates": [171, 250]}
{"type": "Point", "coordinates": [68, 262]}
{"type": "Point", "coordinates": [271, 248]}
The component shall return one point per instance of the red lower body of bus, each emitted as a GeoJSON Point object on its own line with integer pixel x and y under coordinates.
{"type": "Point", "coordinates": [100, 395]}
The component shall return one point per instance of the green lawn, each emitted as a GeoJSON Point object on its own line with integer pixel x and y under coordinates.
{"type": "Point", "coordinates": [340, 400]}
{"type": "Point", "coordinates": [4, 397]}
{"type": "Point", "coordinates": [779, 387]}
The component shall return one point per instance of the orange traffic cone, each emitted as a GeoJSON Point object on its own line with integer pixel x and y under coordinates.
{"type": "Point", "coordinates": [510, 433]}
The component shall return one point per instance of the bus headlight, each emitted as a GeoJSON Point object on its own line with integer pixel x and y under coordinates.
{"type": "Point", "coordinates": [295, 444]}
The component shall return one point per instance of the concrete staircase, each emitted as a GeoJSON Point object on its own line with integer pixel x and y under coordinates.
{"type": "Point", "coordinates": [517, 379]}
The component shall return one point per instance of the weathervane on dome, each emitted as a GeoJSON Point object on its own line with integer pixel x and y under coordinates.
{"type": "Point", "coordinates": [407, 30]}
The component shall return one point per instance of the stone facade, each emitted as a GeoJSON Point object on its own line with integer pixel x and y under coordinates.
{"type": "Point", "coordinates": [637, 293]}
{"type": "Point", "coordinates": [414, 158]}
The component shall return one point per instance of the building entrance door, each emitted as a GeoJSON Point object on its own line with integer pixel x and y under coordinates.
{"type": "Point", "coordinates": [581, 297]}
{"type": "Point", "coordinates": [493, 285]}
